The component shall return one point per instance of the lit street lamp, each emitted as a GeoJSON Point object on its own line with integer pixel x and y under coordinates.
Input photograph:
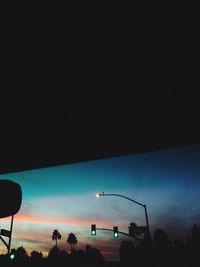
{"type": "Point", "coordinates": [136, 202]}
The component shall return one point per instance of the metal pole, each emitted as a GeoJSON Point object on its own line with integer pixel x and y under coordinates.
{"type": "Point", "coordinates": [147, 221]}
{"type": "Point", "coordinates": [120, 232]}
{"type": "Point", "coordinates": [11, 226]}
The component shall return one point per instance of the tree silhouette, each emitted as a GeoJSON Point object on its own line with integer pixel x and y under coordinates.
{"type": "Point", "coordinates": [36, 255]}
{"type": "Point", "coordinates": [56, 235]}
{"type": "Point", "coordinates": [54, 252]}
{"type": "Point", "coordinates": [72, 240]}
{"type": "Point", "coordinates": [193, 242]}
{"type": "Point", "coordinates": [127, 252]}
{"type": "Point", "coordinates": [36, 259]}
{"type": "Point", "coordinates": [93, 256]}
{"type": "Point", "coordinates": [21, 256]}
{"type": "Point", "coordinates": [180, 251]}
{"type": "Point", "coordinates": [163, 246]}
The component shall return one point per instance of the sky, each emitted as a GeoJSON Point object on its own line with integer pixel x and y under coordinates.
{"type": "Point", "coordinates": [64, 197]}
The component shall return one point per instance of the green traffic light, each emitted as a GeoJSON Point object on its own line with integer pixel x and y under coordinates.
{"type": "Point", "coordinates": [12, 256]}
{"type": "Point", "coordinates": [115, 231]}
{"type": "Point", "coordinates": [93, 229]}
{"type": "Point", "coordinates": [116, 235]}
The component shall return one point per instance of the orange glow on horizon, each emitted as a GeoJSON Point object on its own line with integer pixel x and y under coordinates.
{"type": "Point", "coordinates": [82, 222]}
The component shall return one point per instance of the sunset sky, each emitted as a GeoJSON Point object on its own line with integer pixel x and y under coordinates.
{"type": "Point", "coordinates": [63, 198]}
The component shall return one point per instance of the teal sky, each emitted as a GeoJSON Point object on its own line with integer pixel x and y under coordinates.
{"type": "Point", "coordinates": [63, 198]}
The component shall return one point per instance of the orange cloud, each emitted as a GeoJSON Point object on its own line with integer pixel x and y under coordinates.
{"type": "Point", "coordinates": [73, 221]}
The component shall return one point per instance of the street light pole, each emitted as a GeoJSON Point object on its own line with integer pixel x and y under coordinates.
{"type": "Point", "coordinates": [147, 221]}
{"type": "Point", "coordinates": [132, 200]}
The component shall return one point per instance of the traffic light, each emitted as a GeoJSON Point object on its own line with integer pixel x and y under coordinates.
{"type": "Point", "coordinates": [12, 256]}
{"type": "Point", "coordinates": [93, 229]}
{"type": "Point", "coordinates": [115, 232]}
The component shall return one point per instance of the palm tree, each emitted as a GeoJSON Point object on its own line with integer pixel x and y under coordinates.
{"type": "Point", "coordinates": [72, 240]}
{"type": "Point", "coordinates": [56, 235]}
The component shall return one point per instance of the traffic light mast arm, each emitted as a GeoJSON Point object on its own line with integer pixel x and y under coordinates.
{"type": "Point", "coordinates": [111, 230]}
{"type": "Point", "coordinates": [120, 232]}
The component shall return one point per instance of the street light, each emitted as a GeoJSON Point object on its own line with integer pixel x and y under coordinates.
{"type": "Point", "coordinates": [134, 201]}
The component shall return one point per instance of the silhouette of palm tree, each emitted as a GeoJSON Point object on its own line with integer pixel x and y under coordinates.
{"type": "Point", "coordinates": [72, 240]}
{"type": "Point", "coordinates": [56, 235]}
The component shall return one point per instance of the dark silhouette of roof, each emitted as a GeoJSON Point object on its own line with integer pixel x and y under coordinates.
{"type": "Point", "coordinates": [65, 130]}
{"type": "Point", "coordinates": [140, 76]}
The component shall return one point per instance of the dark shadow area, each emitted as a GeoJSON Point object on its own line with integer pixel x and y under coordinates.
{"type": "Point", "coordinates": [157, 113]}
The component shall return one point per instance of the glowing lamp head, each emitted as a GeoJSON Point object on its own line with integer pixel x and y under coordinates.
{"type": "Point", "coordinates": [115, 234]}
{"type": "Point", "coordinates": [97, 195]}
{"type": "Point", "coordinates": [12, 256]}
